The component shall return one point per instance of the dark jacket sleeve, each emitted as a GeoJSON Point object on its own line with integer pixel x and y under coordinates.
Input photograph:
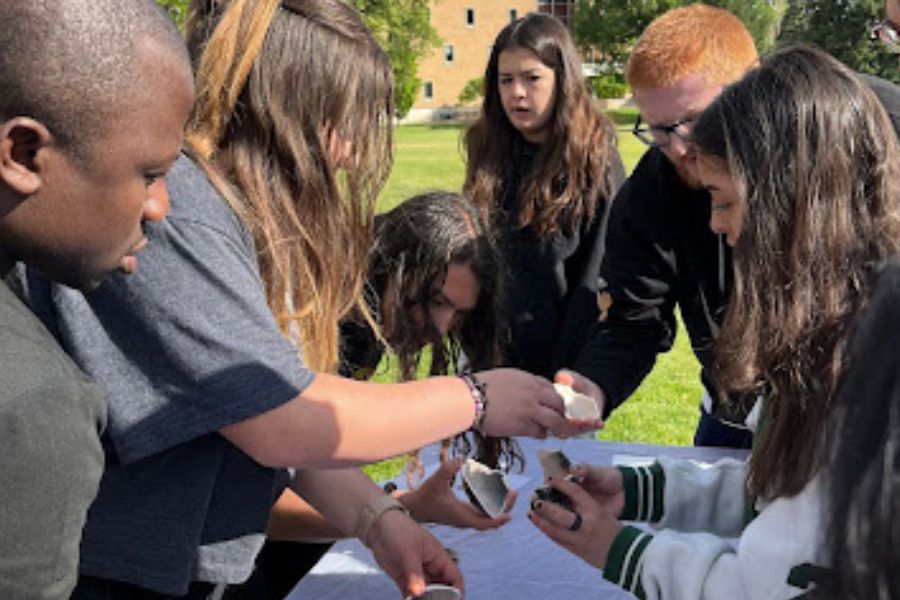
{"type": "Point", "coordinates": [639, 276]}
{"type": "Point", "coordinates": [582, 273]}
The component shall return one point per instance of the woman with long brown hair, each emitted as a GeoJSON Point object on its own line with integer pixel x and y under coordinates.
{"type": "Point", "coordinates": [804, 173]}
{"type": "Point", "coordinates": [265, 245]}
{"type": "Point", "coordinates": [542, 164]}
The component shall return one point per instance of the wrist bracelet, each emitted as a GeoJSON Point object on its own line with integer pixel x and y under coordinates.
{"type": "Point", "coordinates": [478, 390]}
{"type": "Point", "coordinates": [372, 512]}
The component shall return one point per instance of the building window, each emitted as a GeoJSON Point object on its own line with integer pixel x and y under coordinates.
{"type": "Point", "coordinates": [470, 17]}
{"type": "Point", "coordinates": [428, 90]}
{"type": "Point", "coordinates": [448, 53]}
{"type": "Point", "coordinates": [513, 15]}
{"type": "Point", "coordinates": [561, 9]}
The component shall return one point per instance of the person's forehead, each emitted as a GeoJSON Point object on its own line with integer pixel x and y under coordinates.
{"type": "Point", "coordinates": [688, 96]}
{"type": "Point", "coordinates": [513, 60]}
{"type": "Point", "coordinates": [156, 80]}
{"type": "Point", "coordinates": [461, 286]}
{"type": "Point", "coordinates": [712, 167]}
{"type": "Point", "coordinates": [146, 124]}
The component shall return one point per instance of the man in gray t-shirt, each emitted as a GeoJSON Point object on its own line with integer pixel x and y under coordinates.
{"type": "Point", "coordinates": [178, 502]}
{"type": "Point", "coordinates": [74, 211]}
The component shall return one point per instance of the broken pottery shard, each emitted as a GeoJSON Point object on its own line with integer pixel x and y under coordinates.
{"type": "Point", "coordinates": [436, 591]}
{"type": "Point", "coordinates": [554, 463]}
{"type": "Point", "coordinates": [578, 406]}
{"type": "Point", "coordinates": [486, 488]}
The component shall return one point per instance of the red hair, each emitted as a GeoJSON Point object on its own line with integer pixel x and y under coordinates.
{"type": "Point", "coordinates": [692, 39]}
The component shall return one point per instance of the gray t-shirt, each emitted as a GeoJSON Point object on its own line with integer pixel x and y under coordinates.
{"type": "Point", "coordinates": [181, 348]}
{"type": "Point", "coordinates": [51, 460]}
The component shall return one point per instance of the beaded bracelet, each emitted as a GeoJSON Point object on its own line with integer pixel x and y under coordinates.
{"type": "Point", "coordinates": [478, 389]}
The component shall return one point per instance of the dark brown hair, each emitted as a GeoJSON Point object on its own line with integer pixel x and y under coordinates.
{"type": "Point", "coordinates": [862, 487]}
{"type": "Point", "coordinates": [812, 153]}
{"type": "Point", "coordinates": [569, 175]}
{"type": "Point", "coordinates": [414, 245]}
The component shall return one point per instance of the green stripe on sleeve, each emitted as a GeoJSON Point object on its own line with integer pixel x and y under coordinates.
{"type": "Point", "coordinates": [644, 493]}
{"type": "Point", "coordinates": [636, 566]}
{"type": "Point", "coordinates": [658, 484]}
{"type": "Point", "coordinates": [629, 483]}
{"type": "Point", "coordinates": [622, 563]}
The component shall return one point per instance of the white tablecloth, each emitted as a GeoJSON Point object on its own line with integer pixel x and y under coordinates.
{"type": "Point", "coordinates": [511, 563]}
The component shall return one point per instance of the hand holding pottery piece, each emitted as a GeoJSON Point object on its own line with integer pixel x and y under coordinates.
{"type": "Point", "coordinates": [556, 465]}
{"type": "Point", "coordinates": [578, 406]}
{"type": "Point", "coordinates": [488, 489]}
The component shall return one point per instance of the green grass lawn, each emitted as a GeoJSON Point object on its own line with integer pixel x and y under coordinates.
{"type": "Point", "coordinates": [430, 157]}
{"type": "Point", "coordinates": [664, 410]}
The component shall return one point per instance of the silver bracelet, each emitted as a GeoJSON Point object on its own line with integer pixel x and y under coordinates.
{"type": "Point", "coordinates": [372, 512]}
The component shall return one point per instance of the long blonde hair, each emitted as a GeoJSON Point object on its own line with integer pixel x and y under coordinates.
{"type": "Point", "coordinates": [279, 84]}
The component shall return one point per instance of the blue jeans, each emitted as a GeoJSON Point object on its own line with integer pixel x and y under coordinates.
{"type": "Point", "coordinates": [712, 432]}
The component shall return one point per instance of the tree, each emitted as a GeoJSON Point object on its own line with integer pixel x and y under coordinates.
{"type": "Point", "coordinates": [176, 8]}
{"type": "Point", "coordinates": [842, 29]}
{"type": "Point", "coordinates": [472, 91]}
{"type": "Point", "coordinates": [763, 18]}
{"type": "Point", "coordinates": [403, 28]}
{"type": "Point", "coordinates": [611, 26]}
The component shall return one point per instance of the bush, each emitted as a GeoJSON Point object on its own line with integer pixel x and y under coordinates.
{"type": "Point", "coordinates": [609, 85]}
{"type": "Point", "coordinates": [472, 91]}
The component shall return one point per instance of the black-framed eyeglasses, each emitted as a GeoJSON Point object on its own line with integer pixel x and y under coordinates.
{"type": "Point", "coordinates": [660, 136]}
{"type": "Point", "coordinates": [888, 33]}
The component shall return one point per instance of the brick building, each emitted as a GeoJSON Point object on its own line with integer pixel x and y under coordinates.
{"type": "Point", "coordinates": [467, 29]}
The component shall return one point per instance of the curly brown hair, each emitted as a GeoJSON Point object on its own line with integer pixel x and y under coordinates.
{"type": "Point", "coordinates": [414, 245]}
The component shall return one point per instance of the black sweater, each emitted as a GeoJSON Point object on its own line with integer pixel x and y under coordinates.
{"type": "Point", "coordinates": [552, 282]}
{"type": "Point", "coordinates": [660, 252]}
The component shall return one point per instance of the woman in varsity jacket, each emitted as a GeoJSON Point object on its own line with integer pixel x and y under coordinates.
{"type": "Point", "coordinates": [803, 169]}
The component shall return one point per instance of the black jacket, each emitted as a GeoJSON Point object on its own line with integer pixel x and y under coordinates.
{"type": "Point", "coordinates": [660, 252]}
{"type": "Point", "coordinates": [552, 282]}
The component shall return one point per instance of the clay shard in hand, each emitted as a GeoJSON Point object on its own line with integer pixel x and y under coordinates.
{"type": "Point", "coordinates": [486, 488]}
{"type": "Point", "coordinates": [578, 405]}
{"type": "Point", "coordinates": [556, 465]}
